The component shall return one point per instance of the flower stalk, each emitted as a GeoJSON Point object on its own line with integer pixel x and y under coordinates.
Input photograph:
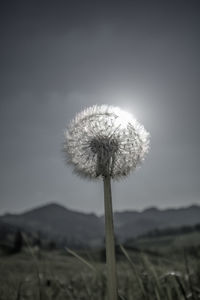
{"type": "Point", "coordinates": [110, 241]}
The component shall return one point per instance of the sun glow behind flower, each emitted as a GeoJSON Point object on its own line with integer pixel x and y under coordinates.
{"type": "Point", "coordinates": [123, 117]}
{"type": "Point", "coordinates": [105, 140]}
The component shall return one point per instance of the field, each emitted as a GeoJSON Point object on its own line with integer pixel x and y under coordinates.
{"type": "Point", "coordinates": [148, 268]}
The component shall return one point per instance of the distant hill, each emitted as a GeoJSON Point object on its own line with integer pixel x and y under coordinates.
{"type": "Point", "coordinates": [132, 223]}
{"type": "Point", "coordinates": [60, 224]}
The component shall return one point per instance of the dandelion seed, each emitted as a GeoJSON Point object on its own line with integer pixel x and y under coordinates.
{"type": "Point", "coordinates": [104, 140]}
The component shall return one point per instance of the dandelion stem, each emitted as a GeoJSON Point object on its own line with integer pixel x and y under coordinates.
{"type": "Point", "coordinates": [110, 243]}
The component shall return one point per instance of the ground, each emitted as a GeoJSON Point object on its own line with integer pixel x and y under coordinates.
{"type": "Point", "coordinates": [149, 268]}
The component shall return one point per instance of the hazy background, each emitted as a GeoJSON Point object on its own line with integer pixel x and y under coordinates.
{"type": "Point", "coordinates": [57, 57]}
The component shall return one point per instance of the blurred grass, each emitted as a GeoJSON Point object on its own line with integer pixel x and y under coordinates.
{"type": "Point", "coordinates": [167, 244]}
{"type": "Point", "coordinates": [170, 272]}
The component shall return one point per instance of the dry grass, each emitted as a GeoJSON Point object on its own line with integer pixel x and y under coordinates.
{"type": "Point", "coordinates": [58, 276]}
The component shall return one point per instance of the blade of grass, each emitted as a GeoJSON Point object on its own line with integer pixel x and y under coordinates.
{"type": "Point", "coordinates": [157, 294]}
{"type": "Point", "coordinates": [181, 287]}
{"type": "Point", "coordinates": [140, 283]}
{"type": "Point", "coordinates": [35, 263]}
{"type": "Point", "coordinates": [85, 262]}
{"type": "Point", "coordinates": [189, 275]}
{"type": "Point", "coordinates": [151, 270]}
{"type": "Point", "coordinates": [19, 291]}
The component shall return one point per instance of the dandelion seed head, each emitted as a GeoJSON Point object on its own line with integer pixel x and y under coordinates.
{"type": "Point", "coordinates": [105, 140]}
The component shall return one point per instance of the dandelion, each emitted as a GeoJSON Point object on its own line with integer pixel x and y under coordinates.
{"type": "Point", "coordinates": [106, 142]}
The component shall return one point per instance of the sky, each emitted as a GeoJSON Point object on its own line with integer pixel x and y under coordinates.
{"type": "Point", "coordinates": [59, 57]}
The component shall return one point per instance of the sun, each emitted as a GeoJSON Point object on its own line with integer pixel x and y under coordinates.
{"type": "Point", "coordinates": [123, 117]}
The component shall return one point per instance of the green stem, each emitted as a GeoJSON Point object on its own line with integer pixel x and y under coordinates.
{"type": "Point", "coordinates": [110, 242]}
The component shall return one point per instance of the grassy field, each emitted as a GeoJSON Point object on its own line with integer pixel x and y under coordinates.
{"type": "Point", "coordinates": [168, 244]}
{"type": "Point", "coordinates": [151, 268]}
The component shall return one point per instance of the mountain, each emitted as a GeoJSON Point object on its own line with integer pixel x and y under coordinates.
{"type": "Point", "coordinates": [60, 224]}
{"type": "Point", "coordinates": [132, 223]}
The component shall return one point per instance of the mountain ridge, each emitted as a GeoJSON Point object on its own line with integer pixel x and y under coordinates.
{"type": "Point", "coordinates": [60, 223]}
{"type": "Point", "coordinates": [55, 205]}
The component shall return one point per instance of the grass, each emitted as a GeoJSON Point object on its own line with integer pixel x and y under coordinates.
{"type": "Point", "coordinates": [171, 272]}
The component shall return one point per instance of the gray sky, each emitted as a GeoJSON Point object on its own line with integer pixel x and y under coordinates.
{"type": "Point", "coordinates": [58, 57]}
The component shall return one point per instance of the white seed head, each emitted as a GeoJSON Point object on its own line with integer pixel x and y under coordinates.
{"type": "Point", "coordinates": [104, 140]}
